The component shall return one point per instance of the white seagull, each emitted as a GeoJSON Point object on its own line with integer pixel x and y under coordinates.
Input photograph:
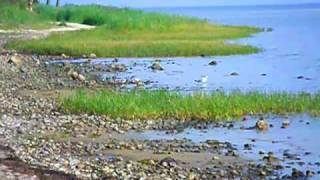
{"type": "Point", "coordinates": [204, 79]}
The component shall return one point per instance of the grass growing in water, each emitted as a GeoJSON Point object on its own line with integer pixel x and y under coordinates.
{"type": "Point", "coordinates": [134, 33]}
{"type": "Point", "coordinates": [172, 105]}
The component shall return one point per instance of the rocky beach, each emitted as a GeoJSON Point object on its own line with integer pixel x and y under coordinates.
{"type": "Point", "coordinates": [41, 141]}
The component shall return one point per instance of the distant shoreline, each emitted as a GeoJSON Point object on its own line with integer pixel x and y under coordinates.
{"type": "Point", "coordinates": [244, 7]}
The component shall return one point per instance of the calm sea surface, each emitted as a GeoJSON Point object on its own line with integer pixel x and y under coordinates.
{"type": "Point", "coordinates": [290, 50]}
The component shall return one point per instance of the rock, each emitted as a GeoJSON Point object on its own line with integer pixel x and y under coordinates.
{"type": "Point", "coordinates": [191, 176]}
{"type": "Point", "coordinates": [64, 56]}
{"type": "Point", "coordinates": [270, 158]}
{"type": "Point", "coordinates": [74, 75]}
{"type": "Point", "coordinates": [310, 173]}
{"type": "Point", "coordinates": [262, 124]}
{"type": "Point", "coordinates": [296, 173]}
{"type": "Point", "coordinates": [118, 67]}
{"type": "Point", "coordinates": [156, 67]}
{"type": "Point", "coordinates": [247, 146]}
{"type": "Point", "coordinates": [213, 63]}
{"type": "Point", "coordinates": [234, 74]}
{"type": "Point", "coordinates": [285, 123]}
{"type": "Point", "coordinates": [263, 173]}
{"type": "Point", "coordinates": [92, 56]}
{"type": "Point", "coordinates": [168, 161]}
{"type": "Point", "coordinates": [215, 158]}
{"type": "Point", "coordinates": [16, 60]}
{"type": "Point", "coordinates": [81, 77]}
{"type": "Point", "coordinates": [261, 152]}
{"type": "Point", "coordinates": [307, 153]}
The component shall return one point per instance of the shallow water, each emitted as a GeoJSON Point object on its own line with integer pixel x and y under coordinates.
{"type": "Point", "coordinates": [290, 50]}
{"type": "Point", "coordinates": [299, 139]}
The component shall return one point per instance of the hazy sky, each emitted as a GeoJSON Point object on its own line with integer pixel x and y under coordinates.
{"type": "Point", "coordinates": [166, 3]}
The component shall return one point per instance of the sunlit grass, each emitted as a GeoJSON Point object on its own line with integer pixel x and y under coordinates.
{"type": "Point", "coordinates": [125, 32]}
{"type": "Point", "coordinates": [199, 106]}
{"type": "Point", "coordinates": [180, 40]}
{"type": "Point", "coordinates": [15, 16]}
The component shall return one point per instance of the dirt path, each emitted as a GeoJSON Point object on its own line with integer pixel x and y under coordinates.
{"type": "Point", "coordinates": [67, 27]}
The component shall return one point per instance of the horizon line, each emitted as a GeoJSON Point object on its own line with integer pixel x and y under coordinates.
{"type": "Point", "coordinates": [240, 5]}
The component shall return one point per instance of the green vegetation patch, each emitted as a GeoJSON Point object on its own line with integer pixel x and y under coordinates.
{"type": "Point", "coordinates": [14, 15]}
{"type": "Point", "coordinates": [199, 106]}
{"type": "Point", "coordinates": [183, 40]}
{"type": "Point", "coordinates": [125, 32]}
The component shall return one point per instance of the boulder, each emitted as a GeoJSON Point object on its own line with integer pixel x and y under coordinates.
{"type": "Point", "coordinates": [81, 77]}
{"type": "Point", "coordinates": [262, 124]}
{"type": "Point", "coordinates": [74, 75]}
{"type": "Point", "coordinates": [156, 67]}
{"type": "Point", "coordinates": [16, 60]}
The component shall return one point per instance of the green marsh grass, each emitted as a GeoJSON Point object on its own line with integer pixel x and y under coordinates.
{"type": "Point", "coordinates": [15, 15]}
{"type": "Point", "coordinates": [125, 32]}
{"type": "Point", "coordinates": [172, 105]}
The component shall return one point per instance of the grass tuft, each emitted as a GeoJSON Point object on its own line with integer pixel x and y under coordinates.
{"type": "Point", "coordinates": [172, 105]}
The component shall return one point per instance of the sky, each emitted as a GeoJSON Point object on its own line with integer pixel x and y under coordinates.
{"type": "Point", "coordinates": [180, 3]}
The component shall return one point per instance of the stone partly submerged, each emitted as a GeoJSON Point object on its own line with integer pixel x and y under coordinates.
{"type": "Point", "coordinates": [213, 63]}
{"type": "Point", "coordinates": [262, 124]}
{"type": "Point", "coordinates": [285, 123]}
{"type": "Point", "coordinates": [156, 67]}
